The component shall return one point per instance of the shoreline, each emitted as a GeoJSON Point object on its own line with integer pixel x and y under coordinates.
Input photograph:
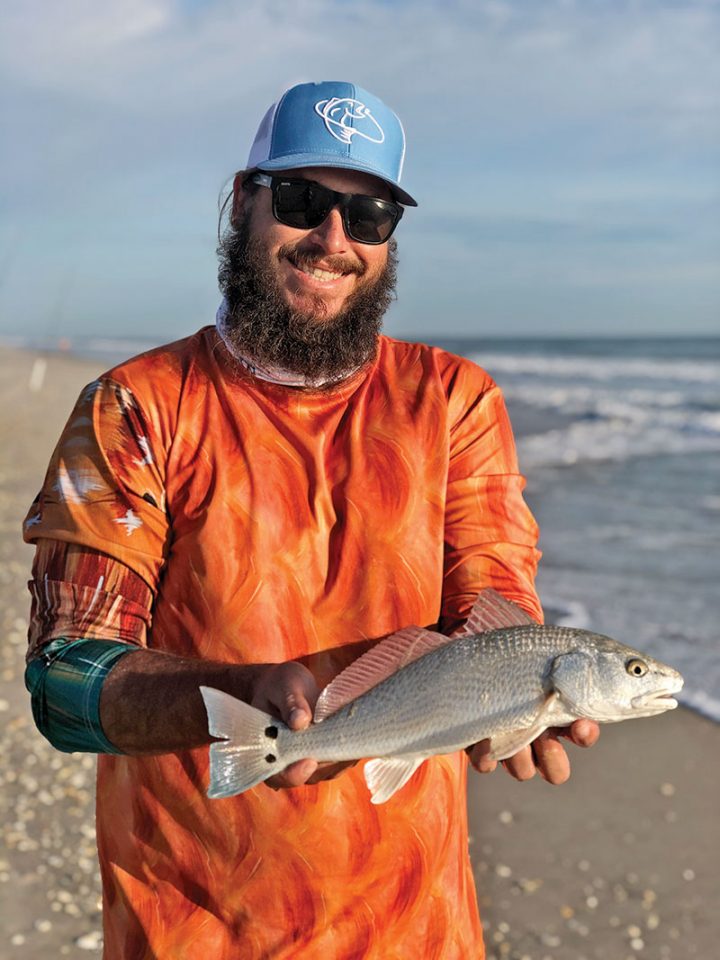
{"type": "Point", "coordinates": [619, 862]}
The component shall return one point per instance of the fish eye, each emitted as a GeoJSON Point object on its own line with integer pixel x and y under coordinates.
{"type": "Point", "coordinates": [636, 668]}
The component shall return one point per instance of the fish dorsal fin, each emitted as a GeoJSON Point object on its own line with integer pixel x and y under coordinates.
{"type": "Point", "coordinates": [385, 658]}
{"type": "Point", "coordinates": [491, 611]}
{"type": "Point", "coordinates": [387, 775]}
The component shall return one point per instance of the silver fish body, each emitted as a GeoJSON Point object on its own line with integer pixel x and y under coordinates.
{"type": "Point", "coordinates": [506, 684]}
{"type": "Point", "coordinates": [470, 689]}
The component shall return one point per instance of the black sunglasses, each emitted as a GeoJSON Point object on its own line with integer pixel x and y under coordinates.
{"type": "Point", "coordinates": [304, 204]}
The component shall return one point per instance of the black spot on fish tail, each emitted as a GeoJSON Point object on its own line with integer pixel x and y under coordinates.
{"type": "Point", "coordinates": [271, 732]}
{"type": "Point", "coordinates": [271, 758]}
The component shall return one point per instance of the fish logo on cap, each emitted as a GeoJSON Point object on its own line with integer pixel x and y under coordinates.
{"type": "Point", "coordinates": [338, 111]}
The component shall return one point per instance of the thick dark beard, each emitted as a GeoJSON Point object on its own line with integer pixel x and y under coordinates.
{"type": "Point", "coordinates": [261, 326]}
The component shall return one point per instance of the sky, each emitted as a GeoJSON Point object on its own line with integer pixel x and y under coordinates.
{"type": "Point", "coordinates": [565, 156]}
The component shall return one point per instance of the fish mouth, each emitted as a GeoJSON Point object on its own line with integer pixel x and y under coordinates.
{"type": "Point", "coordinates": [656, 702]}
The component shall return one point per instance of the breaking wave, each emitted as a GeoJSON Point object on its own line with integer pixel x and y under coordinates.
{"type": "Point", "coordinates": [611, 408]}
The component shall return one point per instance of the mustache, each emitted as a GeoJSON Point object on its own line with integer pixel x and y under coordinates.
{"type": "Point", "coordinates": [335, 263]}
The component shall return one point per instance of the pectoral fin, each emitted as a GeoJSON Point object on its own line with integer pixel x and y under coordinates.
{"type": "Point", "coordinates": [506, 745]}
{"type": "Point", "coordinates": [386, 776]}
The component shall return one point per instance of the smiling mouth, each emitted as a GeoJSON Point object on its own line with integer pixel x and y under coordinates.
{"type": "Point", "coordinates": [325, 270]}
{"type": "Point", "coordinates": [319, 274]}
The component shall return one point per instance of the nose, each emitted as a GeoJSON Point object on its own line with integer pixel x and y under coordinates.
{"type": "Point", "coordinates": [330, 234]}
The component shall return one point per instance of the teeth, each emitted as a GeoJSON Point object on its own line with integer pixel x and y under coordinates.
{"type": "Point", "coordinates": [321, 274]}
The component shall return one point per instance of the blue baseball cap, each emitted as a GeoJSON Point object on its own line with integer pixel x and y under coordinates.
{"type": "Point", "coordinates": [332, 124]}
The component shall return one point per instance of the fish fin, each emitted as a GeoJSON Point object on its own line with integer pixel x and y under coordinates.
{"type": "Point", "coordinates": [385, 658]}
{"type": "Point", "coordinates": [386, 775]}
{"type": "Point", "coordinates": [240, 760]}
{"type": "Point", "coordinates": [508, 744]}
{"type": "Point", "coordinates": [491, 611]}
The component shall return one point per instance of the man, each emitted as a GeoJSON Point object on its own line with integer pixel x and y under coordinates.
{"type": "Point", "coordinates": [249, 509]}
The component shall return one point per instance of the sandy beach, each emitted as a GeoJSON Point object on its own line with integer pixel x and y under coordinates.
{"type": "Point", "coordinates": [621, 862]}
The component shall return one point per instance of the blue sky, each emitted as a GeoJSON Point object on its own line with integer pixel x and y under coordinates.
{"type": "Point", "coordinates": [565, 156]}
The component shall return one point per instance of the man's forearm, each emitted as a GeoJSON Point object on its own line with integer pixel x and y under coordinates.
{"type": "Point", "coordinates": [151, 703]}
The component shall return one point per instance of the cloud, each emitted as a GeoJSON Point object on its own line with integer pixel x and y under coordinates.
{"type": "Point", "coordinates": [465, 59]}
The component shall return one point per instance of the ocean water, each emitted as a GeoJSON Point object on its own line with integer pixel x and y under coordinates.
{"type": "Point", "coordinates": [620, 442]}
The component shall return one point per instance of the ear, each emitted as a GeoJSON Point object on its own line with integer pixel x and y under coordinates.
{"type": "Point", "coordinates": [239, 200]}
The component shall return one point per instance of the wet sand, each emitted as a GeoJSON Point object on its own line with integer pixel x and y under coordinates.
{"type": "Point", "coordinates": [620, 862]}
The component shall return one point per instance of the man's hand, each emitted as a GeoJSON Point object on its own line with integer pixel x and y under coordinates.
{"type": "Point", "coordinates": [289, 691]}
{"type": "Point", "coordinates": [546, 755]}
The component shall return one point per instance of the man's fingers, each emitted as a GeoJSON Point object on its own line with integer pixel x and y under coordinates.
{"type": "Point", "coordinates": [479, 754]}
{"type": "Point", "coordinates": [545, 755]}
{"type": "Point", "coordinates": [521, 765]}
{"type": "Point", "coordinates": [293, 776]}
{"type": "Point", "coordinates": [584, 733]}
{"type": "Point", "coordinates": [328, 771]}
{"type": "Point", "coordinates": [551, 760]}
{"type": "Point", "coordinates": [288, 690]}
{"type": "Point", "coordinates": [307, 771]}
{"type": "Point", "coordinates": [297, 712]}
{"type": "Point", "coordinates": [296, 695]}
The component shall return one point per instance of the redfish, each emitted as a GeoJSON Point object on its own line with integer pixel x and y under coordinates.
{"type": "Point", "coordinates": [418, 693]}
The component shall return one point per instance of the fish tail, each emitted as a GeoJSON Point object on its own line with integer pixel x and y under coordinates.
{"type": "Point", "coordinates": [247, 754]}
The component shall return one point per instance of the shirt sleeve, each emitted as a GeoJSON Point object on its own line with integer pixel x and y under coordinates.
{"type": "Point", "coordinates": [490, 534]}
{"type": "Point", "coordinates": [79, 593]}
{"type": "Point", "coordinates": [104, 489]}
{"type": "Point", "coordinates": [87, 612]}
{"type": "Point", "coordinates": [101, 534]}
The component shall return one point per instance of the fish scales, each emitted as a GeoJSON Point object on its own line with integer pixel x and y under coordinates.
{"type": "Point", "coordinates": [442, 702]}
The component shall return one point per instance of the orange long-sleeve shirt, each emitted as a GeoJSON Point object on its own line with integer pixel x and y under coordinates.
{"type": "Point", "coordinates": [203, 512]}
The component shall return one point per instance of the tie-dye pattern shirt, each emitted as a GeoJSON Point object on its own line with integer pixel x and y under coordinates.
{"type": "Point", "coordinates": [196, 510]}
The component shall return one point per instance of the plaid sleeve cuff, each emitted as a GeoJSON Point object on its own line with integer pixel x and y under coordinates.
{"type": "Point", "coordinates": [65, 682]}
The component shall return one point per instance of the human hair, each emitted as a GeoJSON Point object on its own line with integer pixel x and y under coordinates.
{"type": "Point", "coordinates": [226, 194]}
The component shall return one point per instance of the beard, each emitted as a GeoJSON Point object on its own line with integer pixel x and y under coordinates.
{"type": "Point", "coordinates": [261, 326]}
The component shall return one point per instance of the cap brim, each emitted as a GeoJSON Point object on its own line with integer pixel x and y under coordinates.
{"type": "Point", "coordinates": [320, 160]}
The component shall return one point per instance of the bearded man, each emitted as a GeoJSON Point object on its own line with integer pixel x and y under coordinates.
{"type": "Point", "coordinates": [249, 509]}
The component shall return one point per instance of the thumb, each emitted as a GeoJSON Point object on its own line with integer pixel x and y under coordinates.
{"type": "Point", "coordinates": [287, 689]}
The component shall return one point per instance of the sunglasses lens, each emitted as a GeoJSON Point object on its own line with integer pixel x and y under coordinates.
{"type": "Point", "coordinates": [304, 204]}
{"type": "Point", "coordinates": [369, 220]}
{"type": "Point", "coordinates": [301, 203]}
